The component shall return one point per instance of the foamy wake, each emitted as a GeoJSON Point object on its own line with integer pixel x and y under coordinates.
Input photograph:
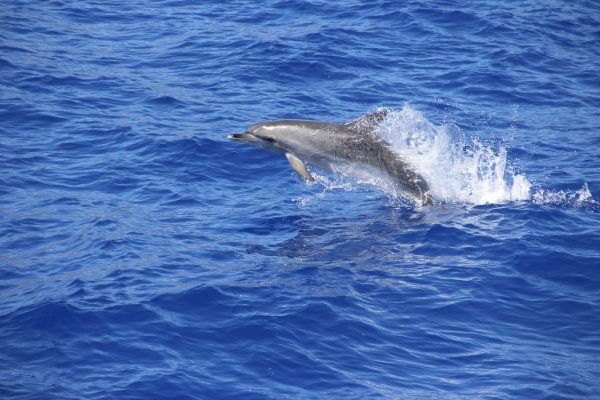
{"type": "Point", "coordinates": [458, 169]}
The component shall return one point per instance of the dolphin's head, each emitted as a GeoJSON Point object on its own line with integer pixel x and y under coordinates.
{"type": "Point", "coordinates": [268, 135]}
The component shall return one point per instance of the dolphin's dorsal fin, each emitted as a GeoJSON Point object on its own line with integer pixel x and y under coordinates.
{"type": "Point", "coordinates": [299, 166]}
{"type": "Point", "coordinates": [368, 122]}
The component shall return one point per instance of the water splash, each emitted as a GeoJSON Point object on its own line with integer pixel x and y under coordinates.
{"type": "Point", "coordinates": [326, 184]}
{"type": "Point", "coordinates": [458, 170]}
{"type": "Point", "coordinates": [581, 198]}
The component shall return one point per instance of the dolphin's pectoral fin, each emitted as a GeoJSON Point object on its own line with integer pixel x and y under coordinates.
{"type": "Point", "coordinates": [299, 166]}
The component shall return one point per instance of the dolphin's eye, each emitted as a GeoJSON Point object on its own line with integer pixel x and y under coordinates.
{"type": "Point", "coordinates": [268, 139]}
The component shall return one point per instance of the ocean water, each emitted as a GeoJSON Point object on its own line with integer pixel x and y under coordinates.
{"type": "Point", "coordinates": [145, 256]}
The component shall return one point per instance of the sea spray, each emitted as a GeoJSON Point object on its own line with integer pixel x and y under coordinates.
{"type": "Point", "coordinates": [581, 198]}
{"type": "Point", "coordinates": [457, 169]}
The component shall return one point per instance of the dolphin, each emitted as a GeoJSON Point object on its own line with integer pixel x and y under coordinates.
{"type": "Point", "coordinates": [325, 144]}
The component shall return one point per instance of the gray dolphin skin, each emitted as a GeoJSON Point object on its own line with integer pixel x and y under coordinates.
{"type": "Point", "coordinates": [324, 144]}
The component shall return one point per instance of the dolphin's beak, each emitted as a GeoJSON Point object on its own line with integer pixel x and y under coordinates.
{"type": "Point", "coordinates": [241, 136]}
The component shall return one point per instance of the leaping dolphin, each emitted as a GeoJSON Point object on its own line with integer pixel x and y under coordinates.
{"type": "Point", "coordinates": [324, 144]}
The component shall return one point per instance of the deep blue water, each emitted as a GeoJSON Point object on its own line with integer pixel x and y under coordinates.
{"type": "Point", "coordinates": [145, 256]}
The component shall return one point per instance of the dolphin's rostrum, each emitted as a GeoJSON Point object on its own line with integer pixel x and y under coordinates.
{"type": "Point", "coordinates": [323, 144]}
